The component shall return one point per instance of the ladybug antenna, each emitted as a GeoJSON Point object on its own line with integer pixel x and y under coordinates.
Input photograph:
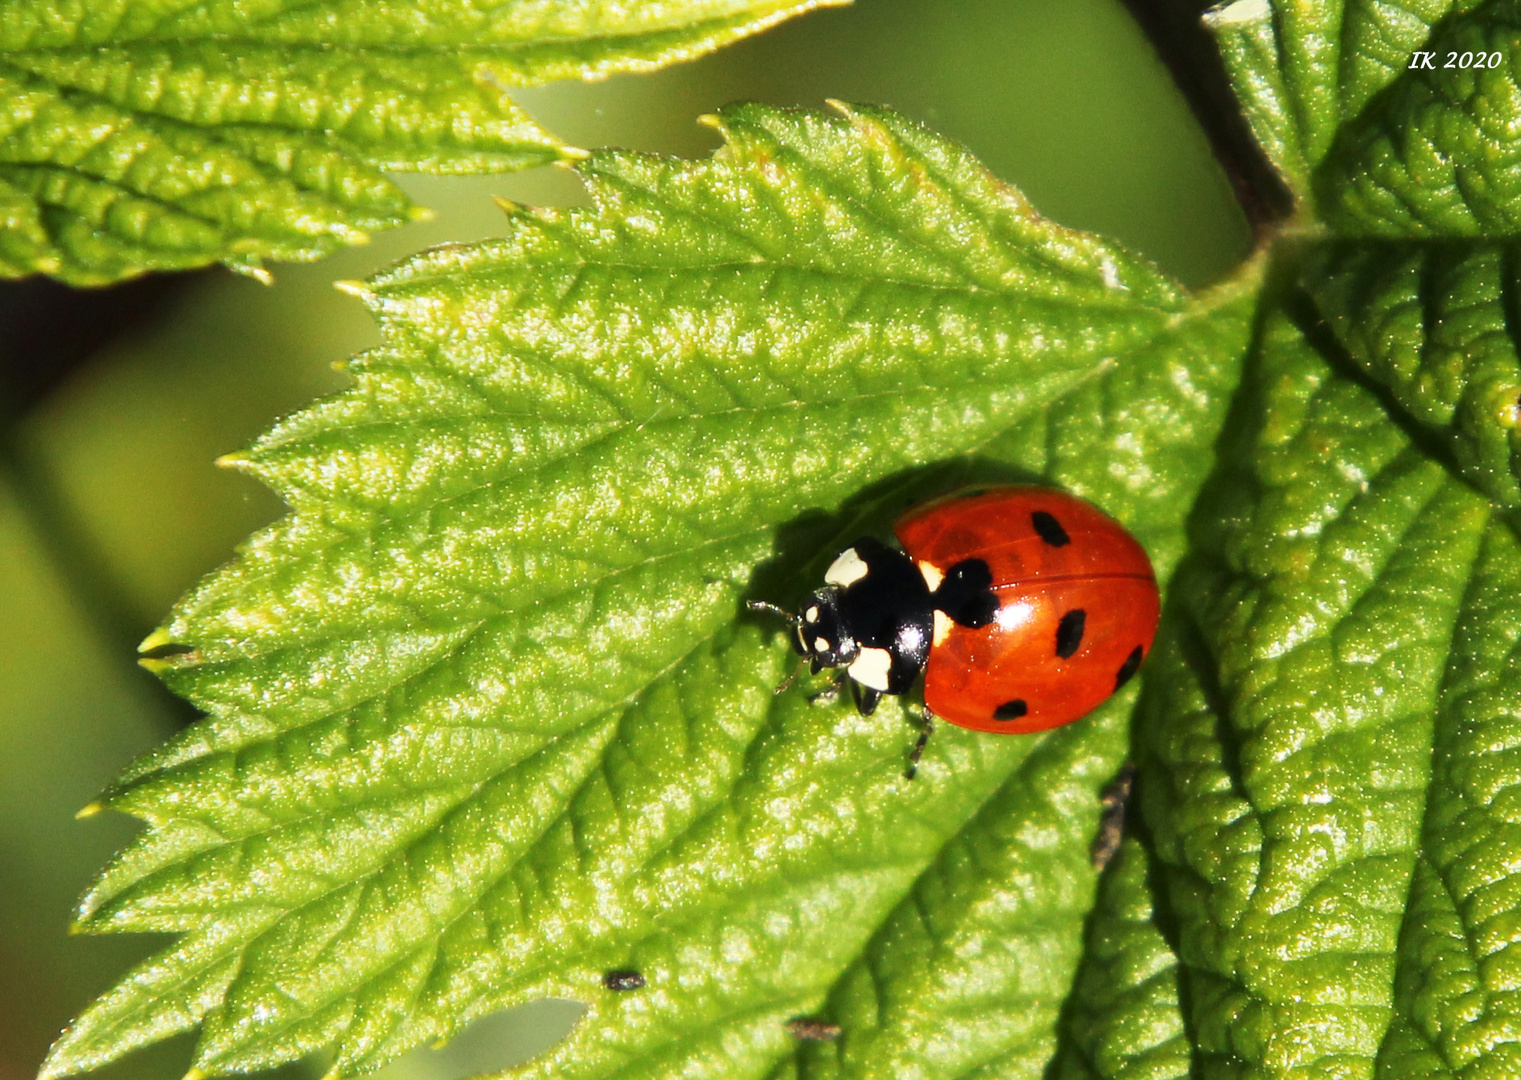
{"type": "Point", "coordinates": [792, 620]}
{"type": "Point", "coordinates": [786, 684]}
{"type": "Point", "coordinates": [772, 609]}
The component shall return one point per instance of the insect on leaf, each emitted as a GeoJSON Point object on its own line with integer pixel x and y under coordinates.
{"type": "Point", "coordinates": [486, 716]}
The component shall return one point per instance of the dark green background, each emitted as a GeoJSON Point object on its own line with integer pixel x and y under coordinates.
{"type": "Point", "coordinates": [110, 506]}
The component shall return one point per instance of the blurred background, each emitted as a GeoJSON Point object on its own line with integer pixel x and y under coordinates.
{"type": "Point", "coordinates": [113, 404]}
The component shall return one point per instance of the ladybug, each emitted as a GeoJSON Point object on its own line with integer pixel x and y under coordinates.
{"type": "Point", "coordinates": [1024, 607]}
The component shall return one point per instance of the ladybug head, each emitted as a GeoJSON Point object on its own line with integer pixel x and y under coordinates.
{"type": "Point", "coordinates": [824, 634]}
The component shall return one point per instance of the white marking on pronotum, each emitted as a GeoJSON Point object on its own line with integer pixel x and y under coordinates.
{"type": "Point", "coordinates": [1242, 11]}
{"type": "Point", "coordinates": [871, 668]}
{"type": "Point", "coordinates": [933, 575]}
{"type": "Point", "coordinates": [812, 614]}
{"type": "Point", "coordinates": [820, 645]}
{"type": "Point", "coordinates": [942, 627]}
{"type": "Point", "coordinates": [846, 570]}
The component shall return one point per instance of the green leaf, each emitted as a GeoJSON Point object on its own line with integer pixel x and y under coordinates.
{"type": "Point", "coordinates": [153, 135]}
{"type": "Point", "coordinates": [483, 721]}
{"type": "Point", "coordinates": [1314, 718]}
{"type": "Point", "coordinates": [1303, 68]}
{"type": "Point", "coordinates": [1373, 142]}
{"type": "Point", "coordinates": [1435, 326]}
{"type": "Point", "coordinates": [1289, 729]}
{"type": "Point", "coordinates": [1249, 41]}
{"type": "Point", "coordinates": [1437, 154]}
{"type": "Point", "coordinates": [1457, 978]}
{"type": "Point", "coordinates": [967, 974]}
{"type": "Point", "coordinates": [486, 718]}
{"type": "Point", "coordinates": [1124, 1021]}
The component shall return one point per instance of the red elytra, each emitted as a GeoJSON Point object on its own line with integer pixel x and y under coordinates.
{"type": "Point", "coordinates": [1077, 606]}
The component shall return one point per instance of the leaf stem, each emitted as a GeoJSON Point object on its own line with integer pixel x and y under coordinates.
{"type": "Point", "coordinates": [1176, 31]}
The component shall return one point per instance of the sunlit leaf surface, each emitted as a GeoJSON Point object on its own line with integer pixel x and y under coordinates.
{"type": "Point", "coordinates": [164, 134]}
{"type": "Point", "coordinates": [487, 721]}
{"type": "Point", "coordinates": [483, 722]}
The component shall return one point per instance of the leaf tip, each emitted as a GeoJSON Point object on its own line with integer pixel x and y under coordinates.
{"type": "Point", "coordinates": [156, 640]}
{"type": "Point", "coordinates": [357, 289]}
{"type": "Point", "coordinates": [89, 810]}
{"type": "Point", "coordinates": [162, 665]}
{"type": "Point", "coordinates": [253, 270]}
{"type": "Point", "coordinates": [1235, 13]}
{"type": "Point", "coordinates": [160, 651]}
{"type": "Point", "coordinates": [570, 155]}
{"type": "Point", "coordinates": [238, 459]}
{"type": "Point", "coordinates": [196, 1073]}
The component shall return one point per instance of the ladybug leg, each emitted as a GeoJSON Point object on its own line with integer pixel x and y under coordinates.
{"type": "Point", "coordinates": [830, 692]}
{"type": "Point", "coordinates": [926, 729]}
{"type": "Point", "coordinates": [865, 698]}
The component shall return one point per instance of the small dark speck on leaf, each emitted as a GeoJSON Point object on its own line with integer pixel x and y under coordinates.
{"type": "Point", "coordinates": [812, 1029]}
{"type": "Point", "coordinates": [623, 980]}
{"type": "Point", "coordinates": [1112, 824]}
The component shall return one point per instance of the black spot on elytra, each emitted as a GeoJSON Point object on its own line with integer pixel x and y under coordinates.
{"type": "Point", "coordinates": [1069, 632]}
{"type": "Point", "coordinates": [1011, 710]}
{"type": "Point", "coordinates": [1050, 529]}
{"type": "Point", "coordinates": [1128, 668]}
{"type": "Point", "coordinates": [966, 594]}
{"type": "Point", "coordinates": [623, 980]}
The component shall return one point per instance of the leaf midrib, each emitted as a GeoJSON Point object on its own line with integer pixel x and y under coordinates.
{"type": "Point", "coordinates": [1115, 301]}
{"type": "Point", "coordinates": [407, 522]}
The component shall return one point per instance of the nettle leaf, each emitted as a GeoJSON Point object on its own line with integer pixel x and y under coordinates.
{"type": "Point", "coordinates": [160, 134]}
{"type": "Point", "coordinates": [1123, 1017]}
{"type": "Point", "coordinates": [1456, 982]}
{"type": "Point", "coordinates": [1290, 721]}
{"type": "Point", "coordinates": [1439, 153]}
{"type": "Point", "coordinates": [1435, 325]}
{"type": "Point", "coordinates": [1358, 125]}
{"type": "Point", "coordinates": [1325, 760]}
{"type": "Point", "coordinates": [485, 719]}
